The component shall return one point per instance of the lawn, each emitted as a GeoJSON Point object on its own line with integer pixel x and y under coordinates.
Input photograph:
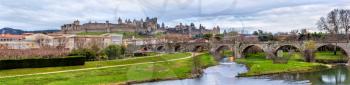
{"type": "Point", "coordinates": [172, 69]}
{"type": "Point", "coordinates": [207, 60]}
{"type": "Point", "coordinates": [258, 65]}
{"type": "Point", "coordinates": [94, 64]}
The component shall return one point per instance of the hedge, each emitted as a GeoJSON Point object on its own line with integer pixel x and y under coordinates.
{"type": "Point", "coordinates": [38, 63]}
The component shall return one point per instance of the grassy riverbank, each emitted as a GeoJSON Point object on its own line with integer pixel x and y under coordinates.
{"type": "Point", "coordinates": [324, 57]}
{"type": "Point", "coordinates": [329, 57]}
{"type": "Point", "coordinates": [150, 71]}
{"type": "Point", "coordinates": [258, 65]}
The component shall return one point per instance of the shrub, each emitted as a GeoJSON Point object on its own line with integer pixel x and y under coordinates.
{"type": "Point", "coordinates": [89, 54]}
{"type": "Point", "coordinates": [309, 52]}
{"type": "Point", "coordinates": [114, 51]}
{"type": "Point", "coordinates": [37, 63]}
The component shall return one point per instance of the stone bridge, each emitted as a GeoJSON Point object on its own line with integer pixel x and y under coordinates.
{"type": "Point", "coordinates": [239, 48]}
{"type": "Point", "coordinates": [270, 48]}
{"type": "Point", "coordinates": [169, 47]}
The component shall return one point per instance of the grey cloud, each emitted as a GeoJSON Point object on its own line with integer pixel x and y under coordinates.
{"type": "Point", "coordinates": [50, 14]}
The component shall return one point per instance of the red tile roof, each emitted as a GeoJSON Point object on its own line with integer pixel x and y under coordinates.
{"type": "Point", "coordinates": [11, 36]}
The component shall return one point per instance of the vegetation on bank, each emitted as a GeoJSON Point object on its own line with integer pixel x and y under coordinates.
{"type": "Point", "coordinates": [323, 57]}
{"type": "Point", "coordinates": [258, 65]}
{"type": "Point", "coordinates": [207, 60]}
{"type": "Point", "coordinates": [152, 71]}
{"type": "Point", "coordinates": [329, 57]}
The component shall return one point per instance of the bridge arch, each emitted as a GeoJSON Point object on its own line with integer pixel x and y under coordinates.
{"type": "Point", "coordinates": [161, 48]}
{"type": "Point", "coordinates": [287, 48]}
{"type": "Point", "coordinates": [177, 48]}
{"type": "Point", "coordinates": [216, 51]}
{"type": "Point", "coordinates": [144, 48]}
{"type": "Point", "coordinates": [330, 47]}
{"type": "Point", "coordinates": [198, 48]}
{"type": "Point", "coordinates": [252, 49]}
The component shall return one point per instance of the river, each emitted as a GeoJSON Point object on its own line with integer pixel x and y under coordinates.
{"type": "Point", "coordinates": [225, 74]}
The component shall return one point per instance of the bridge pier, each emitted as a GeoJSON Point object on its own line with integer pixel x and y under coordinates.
{"type": "Point", "coordinates": [348, 63]}
{"type": "Point", "coordinates": [237, 54]}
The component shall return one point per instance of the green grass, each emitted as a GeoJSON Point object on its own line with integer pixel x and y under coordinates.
{"type": "Point", "coordinates": [323, 57]}
{"type": "Point", "coordinates": [207, 60]}
{"type": "Point", "coordinates": [93, 64]}
{"type": "Point", "coordinates": [171, 69]}
{"type": "Point", "coordinates": [260, 66]}
{"type": "Point", "coordinates": [295, 56]}
{"type": "Point", "coordinates": [259, 55]}
{"type": "Point", "coordinates": [227, 53]}
{"type": "Point", "coordinates": [329, 56]}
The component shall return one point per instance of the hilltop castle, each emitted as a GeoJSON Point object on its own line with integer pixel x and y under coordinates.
{"type": "Point", "coordinates": [192, 30]}
{"type": "Point", "coordinates": [139, 26]}
{"type": "Point", "coordinates": [147, 27]}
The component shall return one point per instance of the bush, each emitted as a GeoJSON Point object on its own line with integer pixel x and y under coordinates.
{"type": "Point", "coordinates": [89, 54]}
{"type": "Point", "coordinates": [309, 52]}
{"type": "Point", "coordinates": [37, 63]}
{"type": "Point", "coordinates": [114, 51]}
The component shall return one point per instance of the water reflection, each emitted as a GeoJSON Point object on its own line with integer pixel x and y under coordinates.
{"type": "Point", "coordinates": [335, 76]}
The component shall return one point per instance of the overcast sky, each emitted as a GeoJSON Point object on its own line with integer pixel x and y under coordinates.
{"type": "Point", "coordinates": [269, 15]}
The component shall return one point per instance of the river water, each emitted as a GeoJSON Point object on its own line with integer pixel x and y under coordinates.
{"type": "Point", "coordinates": [225, 74]}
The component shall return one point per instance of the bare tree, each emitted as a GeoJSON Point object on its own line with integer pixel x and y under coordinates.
{"type": "Point", "coordinates": [345, 21]}
{"type": "Point", "coordinates": [336, 21]}
{"type": "Point", "coordinates": [330, 24]}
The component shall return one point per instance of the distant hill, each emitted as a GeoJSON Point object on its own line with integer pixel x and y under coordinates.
{"type": "Point", "coordinates": [8, 30]}
{"type": "Point", "coordinates": [42, 31]}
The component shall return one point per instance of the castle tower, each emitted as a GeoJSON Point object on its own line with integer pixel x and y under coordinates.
{"type": "Point", "coordinates": [108, 27]}
{"type": "Point", "coordinates": [120, 21]}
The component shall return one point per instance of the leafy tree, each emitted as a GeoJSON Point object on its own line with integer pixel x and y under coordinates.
{"type": "Point", "coordinates": [263, 36]}
{"type": "Point", "coordinates": [207, 36]}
